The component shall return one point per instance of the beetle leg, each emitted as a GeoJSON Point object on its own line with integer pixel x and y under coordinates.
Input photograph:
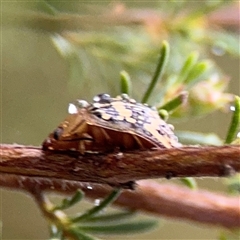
{"type": "Point", "coordinates": [138, 141]}
{"type": "Point", "coordinates": [105, 135]}
{"type": "Point", "coordinates": [131, 141]}
{"type": "Point", "coordinates": [81, 147]}
{"type": "Point", "coordinates": [85, 138]}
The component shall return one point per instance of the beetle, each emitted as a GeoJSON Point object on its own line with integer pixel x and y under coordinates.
{"type": "Point", "coordinates": [109, 124]}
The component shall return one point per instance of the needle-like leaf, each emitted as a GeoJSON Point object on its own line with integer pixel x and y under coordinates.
{"type": "Point", "coordinates": [95, 210]}
{"type": "Point", "coordinates": [122, 228]}
{"type": "Point", "coordinates": [235, 123]}
{"type": "Point", "coordinates": [125, 83]}
{"type": "Point", "coordinates": [164, 54]}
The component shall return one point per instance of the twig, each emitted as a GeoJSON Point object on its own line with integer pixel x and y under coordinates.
{"type": "Point", "coordinates": [117, 169]}
{"type": "Point", "coordinates": [150, 197]}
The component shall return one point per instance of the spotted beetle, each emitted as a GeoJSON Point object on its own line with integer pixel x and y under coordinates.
{"type": "Point", "coordinates": [108, 124]}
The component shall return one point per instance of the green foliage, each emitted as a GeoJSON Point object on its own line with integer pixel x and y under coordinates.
{"type": "Point", "coordinates": [68, 202]}
{"type": "Point", "coordinates": [111, 217]}
{"type": "Point", "coordinates": [235, 123]}
{"type": "Point", "coordinates": [194, 75]}
{"type": "Point", "coordinates": [189, 182]}
{"type": "Point", "coordinates": [187, 67]}
{"type": "Point", "coordinates": [121, 228]}
{"type": "Point", "coordinates": [177, 101]}
{"type": "Point", "coordinates": [230, 235]}
{"type": "Point", "coordinates": [164, 54]}
{"type": "Point", "coordinates": [233, 184]}
{"type": "Point", "coordinates": [96, 45]}
{"type": "Point", "coordinates": [163, 114]}
{"type": "Point", "coordinates": [95, 210]}
{"type": "Point", "coordinates": [125, 83]}
{"type": "Point", "coordinates": [93, 221]}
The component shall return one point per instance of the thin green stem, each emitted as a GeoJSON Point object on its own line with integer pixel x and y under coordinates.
{"type": "Point", "coordinates": [164, 54]}
{"type": "Point", "coordinates": [120, 228]}
{"type": "Point", "coordinates": [175, 102]}
{"type": "Point", "coordinates": [197, 70]}
{"type": "Point", "coordinates": [95, 210]}
{"type": "Point", "coordinates": [187, 67]}
{"type": "Point", "coordinates": [68, 202]}
{"type": "Point", "coordinates": [125, 83]}
{"type": "Point", "coordinates": [111, 217]}
{"type": "Point", "coordinates": [235, 123]}
{"type": "Point", "coordinates": [189, 182]}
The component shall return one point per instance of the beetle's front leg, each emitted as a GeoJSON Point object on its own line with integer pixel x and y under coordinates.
{"type": "Point", "coordinates": [85, 140]}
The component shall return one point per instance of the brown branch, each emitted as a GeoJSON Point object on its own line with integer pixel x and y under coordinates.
{"type": "Point", "coordinates": [150, 197]}
{"type": "Point", "coordinates": [120, 168]}
{"type": "Point", "coordinates": [227, 16]}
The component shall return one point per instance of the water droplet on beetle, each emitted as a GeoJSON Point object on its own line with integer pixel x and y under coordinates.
{"type": "Point", "coordinates": [102, 98]}
{"type": "Point", "coordinates": [82, 104]}
{"type": "Point", "coordinates": [72, 109]}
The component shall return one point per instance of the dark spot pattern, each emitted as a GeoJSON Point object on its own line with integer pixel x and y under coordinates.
{"type": "Point", "coordinates": [136, 116]}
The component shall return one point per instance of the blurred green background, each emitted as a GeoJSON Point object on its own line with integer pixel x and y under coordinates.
{"type": "Point", "coordinates": [36, 90]}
